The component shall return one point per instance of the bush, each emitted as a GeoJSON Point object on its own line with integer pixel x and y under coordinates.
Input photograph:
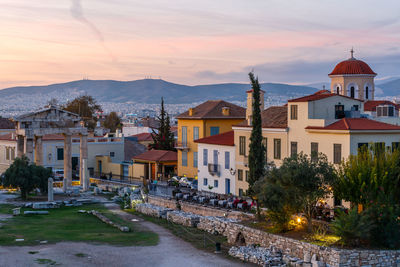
{"type": "Point", "coordinates": [386, 232]}
{"type": "Point", "coordinates": [353, 228]}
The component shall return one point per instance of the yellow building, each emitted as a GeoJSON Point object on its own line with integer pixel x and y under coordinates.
{"type": "Point", "coordinates": [210, 118]}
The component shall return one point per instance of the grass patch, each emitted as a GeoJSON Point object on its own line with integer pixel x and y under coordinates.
{"type": "Point", "coordinates": [66, 224]}
{"type": "Point", "coordinates": [6, 208]}
{"type": "Point", "coordinates": [198, 238]}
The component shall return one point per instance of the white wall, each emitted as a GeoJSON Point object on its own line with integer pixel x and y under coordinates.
{"type": "Point", "coordinates": [223, 174]}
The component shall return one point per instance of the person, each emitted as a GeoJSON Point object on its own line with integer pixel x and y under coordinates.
{"type": "Point", "coordinates": [110, 176]}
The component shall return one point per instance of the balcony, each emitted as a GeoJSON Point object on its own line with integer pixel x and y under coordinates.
{"type": "Point", "coordinates": [181, 146]}
{"type": "Point", "coordinates": [213, 169]}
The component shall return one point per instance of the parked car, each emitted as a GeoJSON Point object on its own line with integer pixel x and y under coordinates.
{"type": "Point", "coordinates": [58, 174]}
{"type": "Point", "coordinates": [194, 184]}
{"type": "Point", "coordinates": [174, 181]}
{"type": "Point", "coordinates": [185, 181]}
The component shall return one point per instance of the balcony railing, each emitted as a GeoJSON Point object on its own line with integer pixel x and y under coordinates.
{"type": "Point", "coordinates": [181, 145]}
{"type": "Point", "coordinates": [118, 178]}
{"type": "Point", "coordinates": [213, 169]}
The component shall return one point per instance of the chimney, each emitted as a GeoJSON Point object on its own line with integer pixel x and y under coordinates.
{"type": "Point", "coordinates": [249, 108]}
{"type": "Point", "coordinates": [191, 111]}
{"type": "Point", "coordinates": [225, 111]}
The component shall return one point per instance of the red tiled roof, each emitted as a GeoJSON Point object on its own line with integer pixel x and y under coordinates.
{"type": "Point", "coordinates": [272, 117]}
{"type": "Point", "coordinates": [212, 109]}
{"type": "Point", "coordinates": [158, 155]}
{"type": "Point", "coordinates": [372, 104]}
{"type": "Point", "coordinates": [8, 137]}
{"type": "Point", "coordinates": [318, 96]}
{"type": "Point", "coordinates": [143, 137]}
{"type": "Point", "coordinates": [359, 124]}
{"type": "Point", "coordinates": [352, 66]}
{"type": "Point", "coordinates": [224, 139]}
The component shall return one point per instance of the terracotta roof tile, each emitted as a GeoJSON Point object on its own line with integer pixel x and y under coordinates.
{"type": "Point", "coordinates": [272, 117]}
{"type": "Point", "coordinates": [360, 124]}
{"type": "Point", "coordinates": [224, 139]}
{"type": "Point", "coordinates": [352, 66]}
{"type": "Point", "coordinates": [158, 155]}
{"type": "Point", "coordinates": [372, 104]}
{"type": "Point", "coordinates": [212, 109]}
{"type": "Point", "coordinates": [318, 96]}
{"type": "Point", "coordinates": [143, 137]}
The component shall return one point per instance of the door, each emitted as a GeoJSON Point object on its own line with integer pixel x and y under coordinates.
{"type": "Point", "coordinates": [227, 186]}
{"type": "Point", "coordinates": [100, 167]}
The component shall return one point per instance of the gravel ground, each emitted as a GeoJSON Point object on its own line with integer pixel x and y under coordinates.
{"type": "Point", "coordinates": [171, 251]}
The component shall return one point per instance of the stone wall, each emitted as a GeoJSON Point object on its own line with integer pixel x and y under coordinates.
{"type": "Point", "coordinates": [197, 208]}
{"type": "Point", "coordinates": [239, 235]}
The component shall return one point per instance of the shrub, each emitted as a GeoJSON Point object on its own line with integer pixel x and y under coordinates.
{"type": "Point", "coordinates": [353, 228]}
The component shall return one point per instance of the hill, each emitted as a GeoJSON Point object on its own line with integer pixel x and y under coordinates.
{"type": "Point", "coordinates": [150, 91]}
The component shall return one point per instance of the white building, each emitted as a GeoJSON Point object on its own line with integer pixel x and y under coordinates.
{"type": "Point", "coordinates": [216, 164]}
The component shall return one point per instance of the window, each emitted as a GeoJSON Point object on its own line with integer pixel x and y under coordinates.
{"type": "Point", "coordinates": [391, 112]}
{"type": "Point", "coordinates": [352, 92]}
{"type": "Point", "coordinates": [240, 192]}
{"type": "Point", "coordinates": [184, 135]}
{"type": "Point", "coordinates": [362, 146]}
{"type": "Point", "coordinates": [277, 148]}
{"type": "Point", "coordinates": [7, 153]}
{"type": "Point", "coordinates": [216, 183]}
{"type": "Point", "coordinates": [205, 181]}
{"type": "Point", "coordinates": [60, 153]}
{"type": "Point", "coordinates": [293, 149]}
{"type": "Point", "coordinates": [247, 176]}
{"type": "Point", "coordinates": [395, 145]}
{"type": "Point", "coordinates": [112, 154]}
{"type": "Point", "coordinates": [339, 111]}
{"type": "Point", "coordinates": [337, 90]}
{"type": "Point", "coordinates": [293, 112]}
{"type": "Point", "coordinates": [366, 93]}
{"type": "Point", "coordinates": [12, 153]}
{"type": "Point", "coordinates": [314, 151]}
{"type": "Point", "coordinates": [195, 133]}
{"type": "Point", "coordinates": [242, 145]}
{"type": "Point", "coordinates": [337, 153]}
{"type": "Point", "coordinates": [214, 130]}
{"type": "Point", "coordinates": [355, 108]}
{"type": "Point", "coordinates": [240, 175]}
{"type": "Point", "coordinates": [379, 147]}
{"type": "Point", "coordinates": [184, 158]}
{"type": "Point", "coordinates": [205, 157]}
{"type": "Point", "coordinates": [227, 160]}
{"type": "Point", "coordinates": [215, 156]}
{"type": "Point", "coordinates": [337, 201]}
{"type": "Point", "coordinates": [195, 159]}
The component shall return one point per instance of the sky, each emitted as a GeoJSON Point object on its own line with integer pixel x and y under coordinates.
{"type": "Point", "coordinates": [194, 42]}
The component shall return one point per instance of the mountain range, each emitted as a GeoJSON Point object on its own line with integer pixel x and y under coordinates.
{"type": "Point", "coordinates": [151, 90]}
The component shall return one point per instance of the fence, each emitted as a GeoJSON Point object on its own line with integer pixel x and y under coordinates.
{"type": "Point", "coordinates": [118, 178]}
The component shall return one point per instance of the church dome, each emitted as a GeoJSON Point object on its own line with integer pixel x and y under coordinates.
{"type": "Point", "coordinates": [352, 66]}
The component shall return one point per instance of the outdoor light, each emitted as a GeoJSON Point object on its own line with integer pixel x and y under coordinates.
{"type": "Point", "coordinates": [232, 171]}
{"type": "Point", "coordinates": [298, 220]}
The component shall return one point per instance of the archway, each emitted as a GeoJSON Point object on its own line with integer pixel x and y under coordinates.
{"type": "Point", "coordinates": [240, 240]}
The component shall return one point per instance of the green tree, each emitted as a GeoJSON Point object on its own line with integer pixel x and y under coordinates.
{"type": "Point", "coordinates": [297, 185]}
{"type": "Point", "coordinates": [371, 179]}
{"type": "Point", "coordinates": [112, 122]}
{"type": "Point", "coordinates": [86, 107]}
{"type": "Point", "coordinates": [26, 176]}
{"type": "Point", "coordinates": [257, 149]}
{"type": "Point", "coordinates": [163, 139]}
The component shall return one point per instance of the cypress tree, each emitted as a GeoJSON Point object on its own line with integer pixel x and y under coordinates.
{"type": "Point", "coordinates": [257, 150]}
{"type": "Point", "coordinates": [163, 139]}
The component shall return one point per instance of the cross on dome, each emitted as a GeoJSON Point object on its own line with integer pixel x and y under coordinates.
{"type": "Point", "coordinates": [352, 53]}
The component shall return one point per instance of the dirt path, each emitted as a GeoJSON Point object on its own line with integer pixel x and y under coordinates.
{"type": "Point", "coordinates": [171, 251]}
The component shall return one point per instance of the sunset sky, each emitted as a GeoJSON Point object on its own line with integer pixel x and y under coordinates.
{"type": "Point", "coordinates": [193, 42]}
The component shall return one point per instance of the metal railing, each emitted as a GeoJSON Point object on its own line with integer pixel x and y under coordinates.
{"type": "Point", "coordinates": [181, 145]}
{"type": "Point", "coordinates": [117, 178]}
